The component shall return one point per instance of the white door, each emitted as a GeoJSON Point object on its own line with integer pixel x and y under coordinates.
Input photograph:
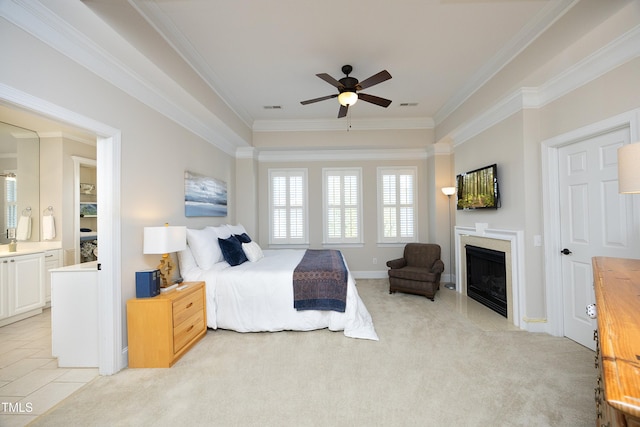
{"type": "Point", "coordinates": [595, 221]}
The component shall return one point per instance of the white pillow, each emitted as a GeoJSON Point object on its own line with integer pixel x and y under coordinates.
{"type": "Point", "coordinates": [186, 261]}
{"type": "Point", "coordinates": [204, 246]}
{"type": "Point", "coordinates": [236, 229]}
{"type": "Point", "coordinates": [222, 231]}
{"type": "Point", "coordinates": [253, 251]}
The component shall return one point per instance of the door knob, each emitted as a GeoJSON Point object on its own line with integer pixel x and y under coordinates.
{"type": "Point", "coordinates": [566, 251]}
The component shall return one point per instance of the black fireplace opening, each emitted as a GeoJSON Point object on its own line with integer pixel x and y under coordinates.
{"type": "Point", "coordinates": [487, 278]}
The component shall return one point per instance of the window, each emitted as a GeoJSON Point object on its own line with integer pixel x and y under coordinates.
{"type": "Point", "coordinates": [342, 205]}
{"type": "Point", "coordinates": [288, 206]}
{"type": "Point", "coordinates": [11, 214]}
{"type": "Point", "coordinates": [397, 205]}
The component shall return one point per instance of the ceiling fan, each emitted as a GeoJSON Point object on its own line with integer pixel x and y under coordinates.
{"type": "Point", "coordinates": [348, 88]}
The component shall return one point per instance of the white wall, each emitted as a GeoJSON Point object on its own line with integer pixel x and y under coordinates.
{"type": "Point", "coordinates": [546, 80]}
{"type": "Point", "coordinates": [155, 150]}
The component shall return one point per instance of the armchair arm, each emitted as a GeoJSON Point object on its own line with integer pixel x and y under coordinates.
{"type": "Point", "coordinates": [397, 263]}
{"type": "Point", "coordinates": [438, 266]}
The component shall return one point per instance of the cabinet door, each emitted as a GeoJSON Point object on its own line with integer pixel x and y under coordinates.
{"type": "Point", "coordinates": [52, 259]}
{"type": "Point", "coordinates": [5, 296]}
{"type": "Point", "coordinates": [26, 275]}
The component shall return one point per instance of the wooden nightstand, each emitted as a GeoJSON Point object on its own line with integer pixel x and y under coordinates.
{"type": "Point", "coordinates": [163, 328]}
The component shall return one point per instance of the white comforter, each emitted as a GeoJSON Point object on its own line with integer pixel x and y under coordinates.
{"type": "Point", "coordinates": [258, 296]}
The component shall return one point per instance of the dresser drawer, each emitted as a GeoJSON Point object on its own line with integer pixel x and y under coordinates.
{"type": "Point", "coordinates": [186, 307]}
{"type": "Point", "coordinates": [187, 330]}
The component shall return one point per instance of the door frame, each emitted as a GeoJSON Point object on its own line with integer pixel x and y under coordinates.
{"type": "Point", "coordinates": [111, 357]}
{"type": "Point", "coordinates": [551, 206]}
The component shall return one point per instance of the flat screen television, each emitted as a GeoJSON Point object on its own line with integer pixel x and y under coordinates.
{"type": "Point", "coordinates": [478, 189]}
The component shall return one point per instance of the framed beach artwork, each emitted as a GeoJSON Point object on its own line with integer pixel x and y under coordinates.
{"type": "Point", "coordinates": [204, 196]}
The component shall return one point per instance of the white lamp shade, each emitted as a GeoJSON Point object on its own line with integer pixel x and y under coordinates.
{"type": "Point", "coordinates": [449, 191]}
{"type": "Point", "coordinates": [629, 168]}
{"type": "Point", "coordinates": [164, 240]}
{"type": "Point", "coordinates": [347, 98]}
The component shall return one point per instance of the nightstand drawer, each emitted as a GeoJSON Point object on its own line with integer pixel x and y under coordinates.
{"type": "Point", "coordinates": [187, 330]}
{"type": "Point", "coordinates": [186, 307]}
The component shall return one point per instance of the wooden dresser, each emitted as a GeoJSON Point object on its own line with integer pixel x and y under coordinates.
{"type": "Point", "coordinates": [617, 288]}
{"type": "Point", "coordinates": [163, 328]}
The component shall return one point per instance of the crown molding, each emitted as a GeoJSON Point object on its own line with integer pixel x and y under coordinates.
{"type": "Point", "coordinates": [69, 136]}
{"type": "Point", "coordinates": [499, 111]}
{"type": "Point", "coordinates": [341, 125]}
{"type": "Point", "coordinates": [271, 156]}
{"type": "Point", "coordinates": [154, 15]}
{"type": "Point", "coordinates": [440, 149]}
{"type": "Point", "coordinates": [553, 11]}
{"type": "Point", "coordinates": [48, 109]}
{"type": "Point", "coordinates": [620, 51]}
{"type": "Point", "coordinates": [42, 23]}
{"type": "Point", "coordinates": [246, 153]}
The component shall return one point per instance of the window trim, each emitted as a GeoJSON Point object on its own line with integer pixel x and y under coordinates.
{"type": "Point", "coordinates": [396, 170]}
{"type": "Point", "coordinates": [289, 241]}
{"type": "Point", "coordinates": [341, 171]}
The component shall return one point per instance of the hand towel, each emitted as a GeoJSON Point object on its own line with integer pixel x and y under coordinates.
{"type": "Point", "coordinates": [48, 227]}
{"type": "Point", "coordinates": [24, 228]}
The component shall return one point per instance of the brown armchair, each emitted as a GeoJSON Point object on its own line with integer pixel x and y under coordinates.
{"type": "Point", "coordinates": [418, 271]}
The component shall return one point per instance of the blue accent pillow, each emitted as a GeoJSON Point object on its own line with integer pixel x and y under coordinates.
{"type": "Point", "coordinates": [244, 238]}
{"type": "Point", "coordinates": [232, 251]}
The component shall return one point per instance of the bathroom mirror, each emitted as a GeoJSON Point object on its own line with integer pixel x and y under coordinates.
{"type": "Point", "coordinates": [19, 181]}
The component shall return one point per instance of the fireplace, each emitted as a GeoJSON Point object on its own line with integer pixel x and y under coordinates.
{"type": "Point", "coordinates": [487, 277]}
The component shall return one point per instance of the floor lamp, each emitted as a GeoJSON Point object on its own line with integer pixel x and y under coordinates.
{"type": "Point", "coordinates": [450, 191]}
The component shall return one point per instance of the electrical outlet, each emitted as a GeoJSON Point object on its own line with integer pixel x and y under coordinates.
{"type": "Point", "coordinates": [375, 261]}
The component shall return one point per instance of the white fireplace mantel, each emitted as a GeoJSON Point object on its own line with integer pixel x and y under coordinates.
{"type": "Point", "coordinates": [515, 238]}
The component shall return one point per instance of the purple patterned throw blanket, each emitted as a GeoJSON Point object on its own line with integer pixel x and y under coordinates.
{"type": "Point", "coordinates": [320, 281]}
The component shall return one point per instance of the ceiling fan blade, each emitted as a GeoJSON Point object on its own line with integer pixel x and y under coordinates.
{"type": "Point", "coordinates": [343, 111]}
{"type": "Point", "coordinates": [375, 100]}
{"type": "Point", "coordinates": [333, 82]}
{"type": "Point", "coordinates": [374, 80]}
{"type": "Point", "coordinates": [322, 98]}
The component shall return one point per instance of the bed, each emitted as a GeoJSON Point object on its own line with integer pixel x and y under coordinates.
{"type": "Point", "coordinates": [257, 295]}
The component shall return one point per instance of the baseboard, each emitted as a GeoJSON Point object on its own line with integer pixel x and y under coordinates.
{"type": "Point", "coordinates": [535, 325]}
{"type": "Point", "coordinates": [124, 358]}
{"type": "Point", "coordinates": [370, 274]}
{"type": "Point", "coordinates": [21, 316]}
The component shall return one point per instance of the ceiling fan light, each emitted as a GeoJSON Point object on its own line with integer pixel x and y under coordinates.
{"type": "Point", "coordinates": [347, 98]}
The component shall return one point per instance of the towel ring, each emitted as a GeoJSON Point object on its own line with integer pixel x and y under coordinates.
{"type": "Point", "coordinates": [48, 211]}
{"type": "Point", "coordinates": [26, 211]}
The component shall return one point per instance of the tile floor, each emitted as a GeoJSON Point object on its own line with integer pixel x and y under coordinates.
{"type": "Point", "coordinates": [30, 380]}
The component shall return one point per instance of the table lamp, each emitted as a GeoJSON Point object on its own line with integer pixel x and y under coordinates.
{"type": "Point", "coordinates": [164, 240]}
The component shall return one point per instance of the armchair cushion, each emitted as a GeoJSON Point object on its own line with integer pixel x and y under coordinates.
{"type": "Point", "coordinates": [414, 273]}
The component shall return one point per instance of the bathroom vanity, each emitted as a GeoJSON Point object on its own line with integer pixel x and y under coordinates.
{"type": "Point", "coordinates": [24, 280]}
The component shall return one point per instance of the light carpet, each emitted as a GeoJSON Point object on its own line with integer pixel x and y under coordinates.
{"type": "Point", "coordinates": [431, 367]}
